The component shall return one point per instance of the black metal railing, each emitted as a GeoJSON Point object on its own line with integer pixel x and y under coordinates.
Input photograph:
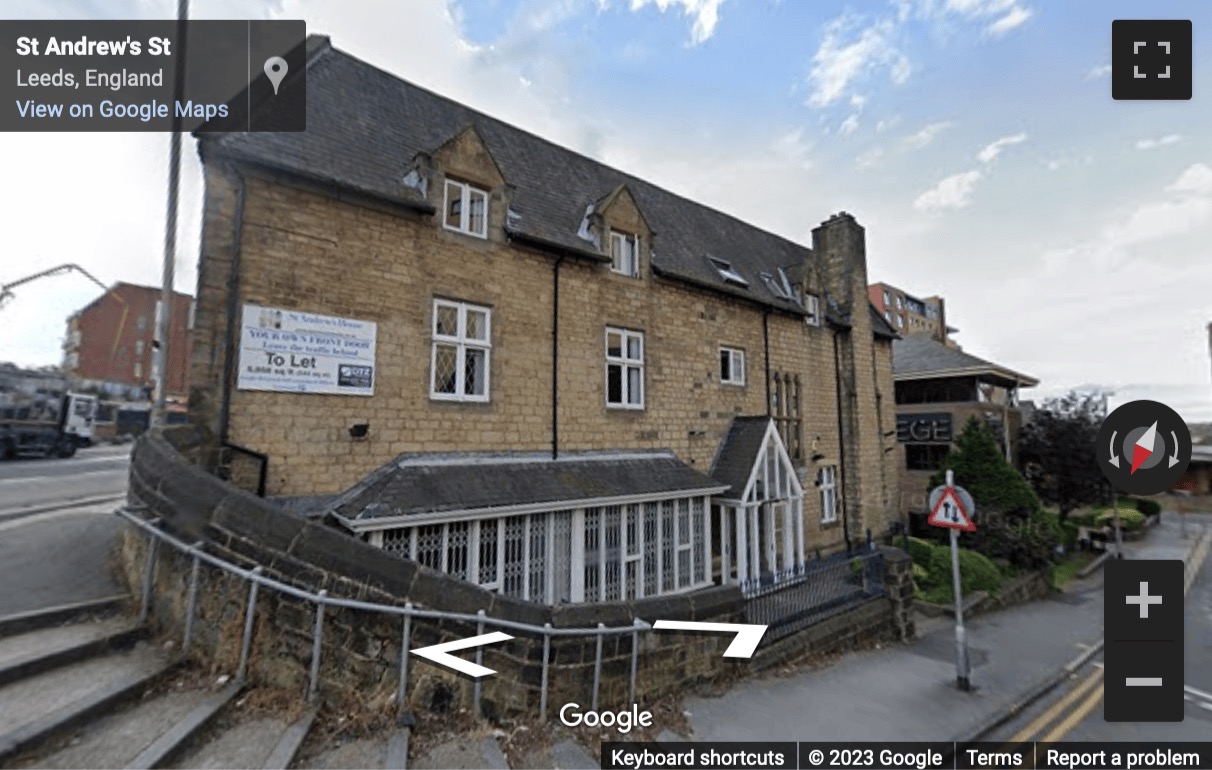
{"type": "Point", "coordinates": [824, 587]}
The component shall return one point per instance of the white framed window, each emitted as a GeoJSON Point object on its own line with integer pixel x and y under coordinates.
{"type": "Point", "coordinates": [138, 370]}
{"type": "Point", "coordinates": [466, 209]}
{"type": "Point", "coordinates": [887, 299]}
{"type": "Point", "coordinates": [900, 322]}
{"type": "Point", "coordinates": [900, 305]}
{"type": "Point", "coordinates": [826, 481]}
{"type": "Point", "coordinates": [812, 304]}
{"type": "Point", "coordinates": [887, 316]}
{"type": "Point", "coordinates": [732, 366]}
{"type": "Point", "coordinates": [594, 554]}
{"type": "Point", "coordinates": [462, 348]}
{"type": "Point", "coordinates": [624, 369]}
{"type": "Point", "coordinates": [138, 347]}
{"type": "Point", "coordinates": [625, 254]}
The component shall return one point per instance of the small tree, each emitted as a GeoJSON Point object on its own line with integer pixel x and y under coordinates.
{"type": "Point", "coordinates": [1059, 451]}
{"type": "Point", "coordinates": [981, 468]}
{"type": "Point", "coordinates": [1004, 500]}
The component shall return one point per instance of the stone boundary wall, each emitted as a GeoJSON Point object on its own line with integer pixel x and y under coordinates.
{"type": "Point", "coordinates": [361, 650]}
{"type": "Point", "coordinates": [1019, 590]}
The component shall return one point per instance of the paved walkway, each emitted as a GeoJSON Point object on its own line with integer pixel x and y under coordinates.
{"type": "Point", "coordinates": [907, 692]}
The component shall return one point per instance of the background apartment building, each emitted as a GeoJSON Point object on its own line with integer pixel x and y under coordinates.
{"type": "Point", "coordinates": [908, 314]}
{"type": "Point", "coordinates": [109, 343]}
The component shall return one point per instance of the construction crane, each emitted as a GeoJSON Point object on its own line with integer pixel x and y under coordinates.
{"type": "Point", "coordinates": [6, 294]}
{"type": "Point", "coordinates": [6, 290]}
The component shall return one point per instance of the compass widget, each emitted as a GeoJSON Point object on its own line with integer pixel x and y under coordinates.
{"type": "Point", "coordinates": [1144, 447]}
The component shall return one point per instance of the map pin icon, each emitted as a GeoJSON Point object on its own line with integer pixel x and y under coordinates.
{"type": "Point", "coordinates": [275, 70]}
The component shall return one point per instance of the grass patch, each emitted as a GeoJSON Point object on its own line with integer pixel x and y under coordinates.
{"type": "Point", "coordinates": [1065, 570]}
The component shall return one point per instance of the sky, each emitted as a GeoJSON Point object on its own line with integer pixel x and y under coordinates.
{"type": "Point", "coordinates": [976, 140]}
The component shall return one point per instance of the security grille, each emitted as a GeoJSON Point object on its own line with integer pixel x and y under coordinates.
{"type": "Point", "coordinates": [515, 564]}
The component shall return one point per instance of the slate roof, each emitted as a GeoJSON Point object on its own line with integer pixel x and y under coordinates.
{"type": "Point", "coordinates": [739, 452]}
{"type": "Point", "coordinates": [365, 128]}
{"type": "Point", "coordinates": [918, 356]}
{"type": "Point", "coordinates": [419, 484]}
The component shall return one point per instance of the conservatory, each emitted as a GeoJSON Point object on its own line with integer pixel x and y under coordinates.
{"type": "Point", "coordinates": [587, 527]}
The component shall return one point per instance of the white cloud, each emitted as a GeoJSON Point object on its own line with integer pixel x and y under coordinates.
{"type": "Point", "coordinates": [849, 125]}
{"type": "Point", "coordinates": [794, 147]}
{"type": "Point", "coordinates": [1011, 14]}
{"type": "Point", "coordinates": [1196, 180]}
{"type": "Point", "coordinates": [954, 192]}
{"type": "Point", "coordinates": [1149, 144]}
{"type": "Point", "coordinates": [887, 124]}
{"type": "Point", "coordinates": [849, 53]}
{"type": "Point", "coordinates": [994, 148]}
{"type": "Point", "coordinates": [1101, 71]}
{"type": "Point", "coordinates": [925, 135]}
{"type": "Point", "coordinates": [706, 14]}
{"type": "Point", "coordinates": [1014, 18]}
{"type": "Point", "coordinates": [869, 159]}
{"type": "Point", "coordinates": [856, 48]}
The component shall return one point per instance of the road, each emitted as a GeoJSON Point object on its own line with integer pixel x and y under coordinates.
{"type": "Point", "coordinates": [53, 550]}
{"type": "Point", "coordinates": [94, 472]}
{"type": "Point", "coordinates": [1073, 712]}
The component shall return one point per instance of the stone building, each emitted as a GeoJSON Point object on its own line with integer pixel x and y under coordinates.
{"type": "Point", "coordinates": [512, 363]}
{"type": "Point", "coordinates": [938, 388]}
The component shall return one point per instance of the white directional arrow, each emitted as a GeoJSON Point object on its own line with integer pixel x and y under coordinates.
{"type": "Point", "coordinates": [1173, 459]}
{"type": "Point", "coordinates": [1114, 455]}
{"type": "Point", "coordinates": [439, 653]}
{"type": "Point", "coordinates": [747, 635]}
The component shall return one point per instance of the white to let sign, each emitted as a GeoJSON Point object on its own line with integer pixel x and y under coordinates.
{"type": "Point", "coordinates": [296, 352]}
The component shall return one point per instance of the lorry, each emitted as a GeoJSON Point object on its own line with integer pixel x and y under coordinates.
{"type": "Point", "coordinates": [45, 424]}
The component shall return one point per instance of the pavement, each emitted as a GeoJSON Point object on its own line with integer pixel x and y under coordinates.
{"type": "Point", "coordinates": [58, 557]}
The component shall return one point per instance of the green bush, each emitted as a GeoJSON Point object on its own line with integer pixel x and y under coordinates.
{"type": "Point", "coordinates": [1148, 507]}
{"type": "Point", "coordinates": [1129, 520]}
{"type": "Point", "coordinates": [920, 551]}
{"type": "Point", "coordinates": [1065, 532]}
{"type": "Point", "coordinates": [1086, 518]}
{"type": "Point", "coordinates": [921, 575]}
{"type": "Point", "coordinates": [977, 573]}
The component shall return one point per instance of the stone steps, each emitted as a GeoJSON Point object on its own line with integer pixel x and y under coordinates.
{"type": "Point", "coordinates": [93, 694]}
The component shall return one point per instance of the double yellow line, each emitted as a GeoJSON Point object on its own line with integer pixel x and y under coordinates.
{"type": "Point", "coordinates": [1061, 717]}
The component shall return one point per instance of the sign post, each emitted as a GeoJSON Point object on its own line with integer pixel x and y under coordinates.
{"type": "Point", "coordinates": [952, 507]}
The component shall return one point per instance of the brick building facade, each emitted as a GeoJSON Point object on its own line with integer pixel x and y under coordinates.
{"type": "Point", "coordinates": [665, 396]}
{"type": "Point", "coordinates": [111, 339]}
{"type": "Point", "coordinates": [908, 314]}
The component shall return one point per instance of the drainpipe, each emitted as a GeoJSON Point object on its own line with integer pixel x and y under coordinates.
{"type": "Point", "coordinates": [555, 358]}
{"type": "Point", "coordinates": [841, 441]}
{"type": "Point", "coordinates": [1006, 419]}
{"type": "Point", "coordinates": [233, 301]}
{"type": "Point", "coordinates": [766, 357]}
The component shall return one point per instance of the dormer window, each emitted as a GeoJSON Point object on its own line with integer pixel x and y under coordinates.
{"type": "Point", "coordinates": [812, 305]}
{"type": "Point", "coordinates": [466, 209]}
{"type": "Point", "coordinates": [625, 254]}
{"type": "Point", "coordinates": [724, 268]}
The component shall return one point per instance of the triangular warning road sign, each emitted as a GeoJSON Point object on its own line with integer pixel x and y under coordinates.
{"type": "Point", "coordinates": [949, 512]}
